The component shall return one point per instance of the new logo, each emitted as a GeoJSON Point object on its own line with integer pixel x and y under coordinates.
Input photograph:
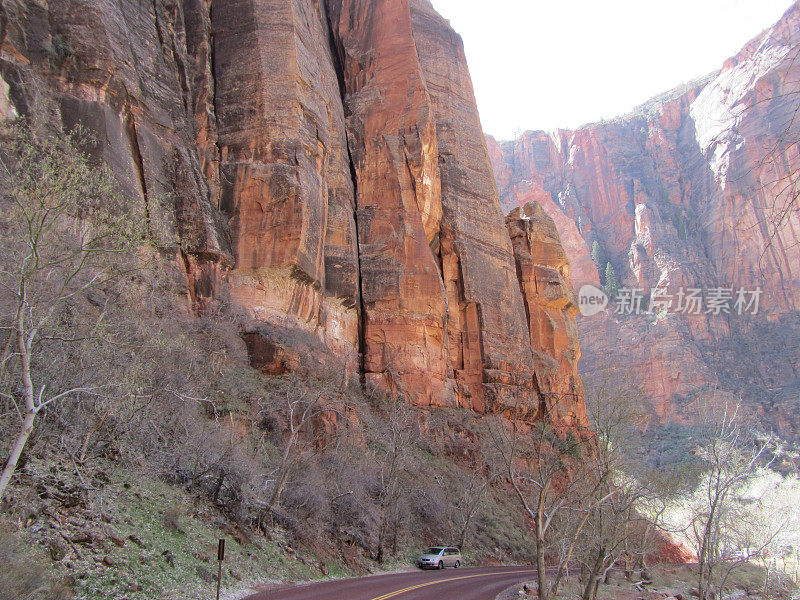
{"type": "Point", "coordinates": [591, 300]}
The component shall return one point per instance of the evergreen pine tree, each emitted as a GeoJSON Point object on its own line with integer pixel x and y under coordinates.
{"type": "Point", "coordinates": [612, 285]}
{"type": "Point", "coordinates": [597, 254]}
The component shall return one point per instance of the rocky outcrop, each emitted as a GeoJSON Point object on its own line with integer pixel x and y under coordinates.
{"type": "Point", "coordinates": [544, 277]}
{"type": "Point", "coordinates": [319, 170]}
{"type": "Point", "coordinates": [695, 189]}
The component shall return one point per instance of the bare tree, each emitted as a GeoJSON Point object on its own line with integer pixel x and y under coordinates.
{"type": "Point", "coordinates": [302, 407]}
{"type": "Point", "coordinates": [470, 502]}
{"type": "Point", "coordinates": [731, 456]}
{"type": "Point", "coordinates": [464, 498]}
{"type": "Point", "coordinates": [629, 503]}
{"type": "Point", "coordinates": [63, 225]}
{"type": "Point", "coordinates": [390, 455]}
{"type": "Point", "coordinates": [546, 470]}
{"type": "Point", "coordinates": [762, 524]}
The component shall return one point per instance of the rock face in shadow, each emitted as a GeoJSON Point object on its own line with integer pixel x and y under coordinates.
{"type": "Point", "coordinates": [319, 168]}
{"type": "Point", "coordinates": [695, 189]}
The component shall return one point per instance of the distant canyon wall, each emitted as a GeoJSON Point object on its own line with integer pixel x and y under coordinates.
{"type": "Point", "coordinates": [697, 188]}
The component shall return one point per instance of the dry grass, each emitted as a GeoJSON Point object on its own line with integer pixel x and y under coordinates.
{"type": "Point", "coordinates": [23, 575]}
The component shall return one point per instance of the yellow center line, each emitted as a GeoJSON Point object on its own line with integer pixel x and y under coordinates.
{"type": "Point", "coordinates": [422, 585]}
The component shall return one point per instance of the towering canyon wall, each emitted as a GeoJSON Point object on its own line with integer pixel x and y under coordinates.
{"type": "Point", "coordinates": [318, 168]}
{"type": "Point", "coordinates": [696, 189]}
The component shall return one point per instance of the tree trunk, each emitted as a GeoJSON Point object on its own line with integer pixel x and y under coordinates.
{"type": "Point", "coordinates": [564, 566]}
{"type": "Point", "coordinates": [379, 557]}
{"type": "Point", "coordinates": [5, 354]}
{"type": "Point", "coordinates": [541, 565]}
{"type": "Point", "coordinates": [285, 469]}
{"type": "Point", "coordinates": [593, 581]}
{"type": "Point", "coordinates": [218, 485]}
{"type": "Point", "coordinates": [23, 345]}
{"type": "Point", "coordinates": [541, 568]}
{"type": "Point", "coordinates": [276, 495]}
{"type": "Point", "coordinates": [16, 451]}
{"type": "Point", "coordinates": [464, 530]}
{"type": "Point", "coordinates": [588, 591]}
{"type": "Point", "coordinates": [701, 587]}
{"type": "Point", "coordinates": [463, 537]}
{"type": "Point", "coordinates": [395, 531]}
{"type": "Point", "coordinates": [87, 438]}
{"type": "Point", "coordinates": [705, 576]}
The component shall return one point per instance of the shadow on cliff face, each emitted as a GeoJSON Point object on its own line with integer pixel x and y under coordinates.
{"type": "Point", "coordinates": [761, 362]}
{"type": "Point", "coordinates": [646, 195]}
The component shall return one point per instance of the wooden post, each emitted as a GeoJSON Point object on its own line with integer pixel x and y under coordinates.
{"type": "Point", "coordinates": [220, 558]}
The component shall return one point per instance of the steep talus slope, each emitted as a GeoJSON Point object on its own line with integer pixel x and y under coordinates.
{"type": "Point", "coordinates": [319, 170]}
{"type": "Point", "coordinates": [696, 189]}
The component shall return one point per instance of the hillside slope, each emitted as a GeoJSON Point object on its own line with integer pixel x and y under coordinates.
{"type": "Point", "coordinates": [325, 319]}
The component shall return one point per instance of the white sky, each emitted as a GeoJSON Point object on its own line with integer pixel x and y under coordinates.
{"type": "Point", "coordinates": [545, 64]}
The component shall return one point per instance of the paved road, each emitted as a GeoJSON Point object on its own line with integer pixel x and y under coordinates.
{"type": "Point", "coordinates": [449, 584]}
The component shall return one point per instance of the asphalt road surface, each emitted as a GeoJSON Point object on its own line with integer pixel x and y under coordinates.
{"type": "Point", "coordinates": [448, 584]}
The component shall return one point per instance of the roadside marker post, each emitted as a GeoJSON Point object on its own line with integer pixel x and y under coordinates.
{"type": "Point", "coordinates": [220, 558]}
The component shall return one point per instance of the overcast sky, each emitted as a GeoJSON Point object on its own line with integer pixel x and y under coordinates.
{"type": "Point", "coordinates": [545, 64]}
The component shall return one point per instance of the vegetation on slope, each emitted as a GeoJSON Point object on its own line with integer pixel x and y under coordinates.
{"type": "Point", "coordinates": [142, 408]}
{"type": "Point", "coordinates": [152, 436]}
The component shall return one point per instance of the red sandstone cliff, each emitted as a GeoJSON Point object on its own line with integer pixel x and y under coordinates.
{"type": "Point", "coordinates": [697, 188]}
{"type": "Point", "coordinates": [544, 274]}
{"type": "Point", "coordinates": [320, 168]}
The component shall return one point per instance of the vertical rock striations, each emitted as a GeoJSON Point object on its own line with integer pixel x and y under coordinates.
{"type": "Point", "coordinates": [489, 348]}
{"type": "Point", "coordinates": [320, 166]}
{"type": "Point", "coordinates": [394, 151]}
{"type": "Point", "coordinates": [286, 184]}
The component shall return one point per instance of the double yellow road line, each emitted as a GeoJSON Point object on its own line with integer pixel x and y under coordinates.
{"type": "Point", "coordinates": [422, 585]}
